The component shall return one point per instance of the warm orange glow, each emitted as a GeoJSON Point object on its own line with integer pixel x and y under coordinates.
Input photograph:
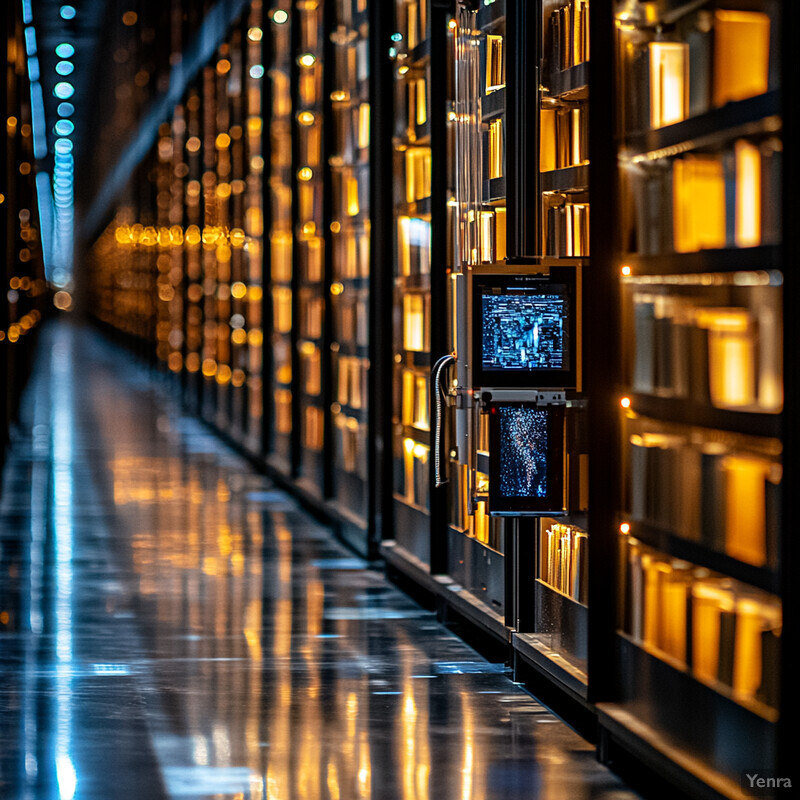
{"type": "Point", "coordinates": [669, 83]}
{"type": "Point", "coordinates": [731, 356]}
{"type": "Point", "coordinates": [748, 194]}
{"type": "Point", "coordinates": [625, 402]}
{"type": "Point", "coordinates": [413, 323]}
{"type": "Point", "coordinates": [193, 235]}
{"type": "Point", "coordinates": [625, 528]}
{"type": "Point", "coordinates": [626, 270]}
{"type": "Point", "coordinates": [741, 55]}
{"type": "Point", "coordinates": [699, 203]}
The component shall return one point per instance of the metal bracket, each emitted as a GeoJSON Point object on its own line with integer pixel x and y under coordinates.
{"type": "Point", "coordinates": [551, 398]}
{"type": "Point", "coordinates": [460, 397]}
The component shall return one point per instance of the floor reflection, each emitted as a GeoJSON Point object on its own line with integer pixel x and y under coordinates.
{"type": "Point", "coordinates": [172, 626]}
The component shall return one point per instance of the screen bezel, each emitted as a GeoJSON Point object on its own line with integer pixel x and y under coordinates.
{"type": "Point", "coordinates": [554, 502]}
{"type": "Point", "coordinates": [565, 378]}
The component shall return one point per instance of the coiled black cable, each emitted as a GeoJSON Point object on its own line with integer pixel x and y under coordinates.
{"type": "Point", "coordinates": [439, 395]}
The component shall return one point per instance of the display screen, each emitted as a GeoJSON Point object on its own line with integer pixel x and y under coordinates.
{"type": "Point", "coordinates": [524, 330]}
{"type": "Point", "coordinates": [526, 458]}
{"type": "Point", "coordinates": [523, 444]}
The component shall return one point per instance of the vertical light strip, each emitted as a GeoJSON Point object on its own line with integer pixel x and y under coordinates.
{"type": "Point", "coordinates": [44, 198]}
{"type": "Point", "coordinates": [61, 427]}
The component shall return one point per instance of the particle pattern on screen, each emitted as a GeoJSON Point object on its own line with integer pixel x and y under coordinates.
{"type": "Point", "coordinates": [523, 452]}
{"type": "Point", "coordinates": [524, 331]}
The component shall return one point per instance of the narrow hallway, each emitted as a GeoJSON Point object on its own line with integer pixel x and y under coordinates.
{"type": "Point", "coordinates": [174, 626]}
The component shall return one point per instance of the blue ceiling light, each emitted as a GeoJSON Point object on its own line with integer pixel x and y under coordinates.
{"type": "Point", "coordinates": [64, 90]}
{"type": "Point", "coordinates": [67, 12]}
{"type": "Point", "coordinates": [30, 41]}
{"type": "Point", "coordinates": [63, 146]}
{"type": "Point", "coordinates": [65, 50]}
{"type": "Point", "coordinates": [65, 67]}
{"type": "Point", "coordinates": [65, 109]}
{"type": "Point", "coordinates": [63, 127]}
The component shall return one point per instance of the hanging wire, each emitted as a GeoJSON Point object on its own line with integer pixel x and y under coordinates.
{"type": "Point", "coordinates": [440, 396]}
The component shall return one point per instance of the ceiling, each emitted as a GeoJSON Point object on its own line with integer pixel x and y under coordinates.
{"type": "Point", "coordinates": [84, 31]}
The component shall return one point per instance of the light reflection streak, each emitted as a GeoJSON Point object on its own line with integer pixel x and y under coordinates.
{"type": "Point", "coordinates": [415, 758]}
{"type": "Point", "coordinates": [468, 758]}
{"type": "Point", "coordinates": [62, 428]}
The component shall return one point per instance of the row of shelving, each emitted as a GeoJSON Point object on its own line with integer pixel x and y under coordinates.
{"type": "Point", "coordinates": [688, 262]}
{"type": "Point", "coordinates": [22, 278]}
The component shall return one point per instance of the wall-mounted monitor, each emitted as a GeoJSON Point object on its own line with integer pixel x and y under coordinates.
{"type": "Point", "coordinates": [526, 459]}
{"type": "Point", "coordinates": [524, 330]}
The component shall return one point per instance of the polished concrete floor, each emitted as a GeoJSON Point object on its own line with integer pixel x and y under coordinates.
{"type": "Point", "coordinates": [172, 626]}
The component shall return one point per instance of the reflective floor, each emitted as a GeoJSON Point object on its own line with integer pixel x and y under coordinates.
{"type": "Point", "coordinates": [172, 626]}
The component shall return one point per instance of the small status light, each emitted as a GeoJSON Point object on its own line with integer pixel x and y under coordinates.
{"type": "Point", "coordinates": [63, 90]}
{"type": "Point", "coordinates": [63, 127]}
{"type": "Point", "coordinates": [625, 528]}
{"type": "Point", "coordinates": [129, 18]}
{"type": "Point", "coordinates": [62, 301]}
{"type": "Point", "coordinates": [305, 174]}
{"type": "Point", "coordinates": [397, 37]}
{"type": "Point", "coordinates": [223, 66]}
{"type": "Point", "coordinates": [305, 118]}
{"type": "Point", "coordinates": [336, 226]}
{"type": "Point", "coordinates": [67, 12]}
{"type": "Point", "coordinates": [452, 24]}
{"type": "Point", "coordinates": [65, 109]}
{"type": "Point", "coordinates": [280, 16]}
{"type": "Point", "coordinates": [255, 34]}
{"type": "Point", "coordinates": [65, 68]}
{"type": "Point", "coordinates": [625, 402]}
{"type": "Point", "coordinates": [337, 288]}
{"type": "Point", "coordinates": [626, 270]}
{"type": "Point", "coordinates": [65, 50]}
{"type": "Point", "coordinates": [307, 60]}
{"type": "Point", "coordinates": [403, 70]}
